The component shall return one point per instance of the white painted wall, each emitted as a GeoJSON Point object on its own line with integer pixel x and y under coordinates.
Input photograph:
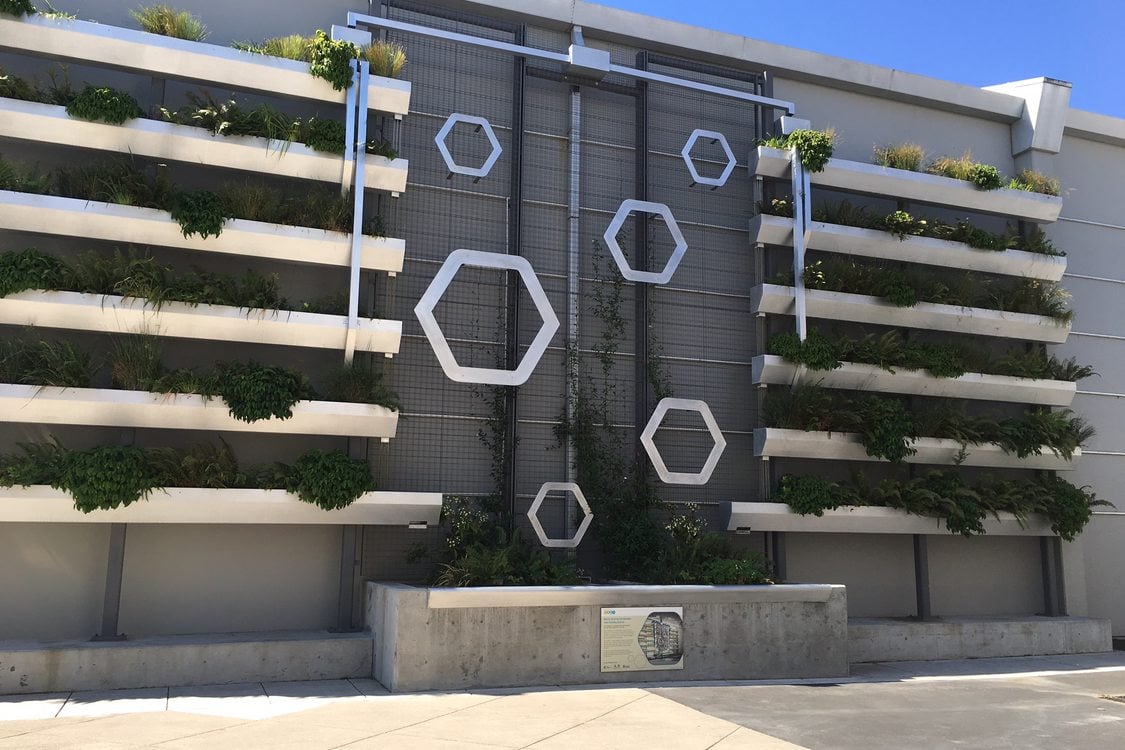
{"type": "Point", "coordinates": [52, 580]}
{"type": "Point", "coordinates": [201, 579]}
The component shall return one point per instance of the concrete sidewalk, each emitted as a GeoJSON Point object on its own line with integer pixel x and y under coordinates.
{"type": "Point", "coordinates": [1028, 703]}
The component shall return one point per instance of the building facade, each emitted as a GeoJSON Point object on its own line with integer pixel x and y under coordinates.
{"type": "Point", "coordinates": [514, 144]}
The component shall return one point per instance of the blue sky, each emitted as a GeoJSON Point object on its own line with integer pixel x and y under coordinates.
{"type": "Point", "coordinates": [976, 43]}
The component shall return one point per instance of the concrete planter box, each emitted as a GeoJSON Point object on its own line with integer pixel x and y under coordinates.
{"type": "Point", "coordinates": [773, 370]}
{"type": "Point", "coordinates": [184, 411]}
{"type": "Point", "coordinates": [872, 243]}
{"type": "Point", "coordinates": [860, 308]}
{"type": "Point", "coordinates": [109, 314]}
{"type": "Point", "coordinates": [913, 186]}
{"type": "Point", "coordinates": [73, 217]}
{"type": "Point", "coordinates": [46, 123]}
{"type": "Point", "coordinates": [772, 442]}
{"type": "Point", "coordinates": [138, 51]}
{"type": "Point", "coordinates": [866, 520]}
{"type": "Point", "coordinates": [43, 504]}
{"type": "Point", "coordinates": [453, 639]}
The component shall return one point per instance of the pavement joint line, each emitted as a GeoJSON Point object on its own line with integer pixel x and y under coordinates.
{"type": "Point", "coordinates": [205, 731]}
{"type": "Point", "coordinates": [408, 726]}
{"type": "Point", "coordinates": [728, 734]}
{"type": "Point", "coordinates": [595, 718]}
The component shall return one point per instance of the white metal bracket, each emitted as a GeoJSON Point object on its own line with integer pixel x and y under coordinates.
{"type": "Point", "coordinates": [610, 237]}
{"type": "Point", "coordinates": [683, 477]}
{"type": "Point", "coordinates": [584, 524]}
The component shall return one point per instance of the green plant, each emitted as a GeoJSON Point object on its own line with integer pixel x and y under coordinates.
{"type": "Point", "coordinates": [135, 362]}
{"type": "Point", "coordinates": [113, 181]}
{"type": "Point", "coordinates": [17, 7]}
{"type": "Point", "coordinates": [30, 269]}
{"type": "Point", "coordinates": [52, 363]}
{"type": "Point", "coordinates": [14, 177]}
{"type": "Point", "coordinates": [903, 225]}
{"type": "Point", "coordinates": [202, 465]}
{"type": "Point", "coordinates": [386, 58]}
{"type": "Point", "coordinates": [359, 384]}
{"type": "Point", "coordinates": [1034, 182]}
{"type": "Point", "coordinates": [324, 135]}
{"type": "Point", "coordinates": [381, 147]}
{"type": "Point", "coordinates": [253, 391]}
{"type": "Point", "coordinates": [817, 352]}
{"type": "Point", "coordinates": [106, 477]}
{"type": "Point", "coordinates": [777, 207]}
{"type": "Point", "coordinates": [331, 60]}
{"type": "Point", "coordinates": [167, 21]}
{"type": "Point", "coordinates": [814, 147]}
{"type": "Point", "coordinates": [985, 177]}
{"type": "Point", "coordinates": [102, 104]}
{"type": "Point", "coordinates": [807, 495]}
{"type": "Point", "coordinates": [199, 212]}
{"type": "Point", "coordinates": [908, 156]}
{"type": "Point", "coordinates": [229, 118]}
{"type": "Point", "coordinates": [291, 47]}
{"type": "Point", "coordinates": [329, 480]}
{"type": "Point", "coordinates": [14, 87]}
{"type": "Point", "coordinates": [886, 428]}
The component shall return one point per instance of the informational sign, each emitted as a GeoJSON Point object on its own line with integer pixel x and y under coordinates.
{"type": "Point", "coordinates": [636, 639]}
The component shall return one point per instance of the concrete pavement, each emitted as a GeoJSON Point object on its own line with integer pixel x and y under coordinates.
{"type": "Point", "coordinates": [987, 703]}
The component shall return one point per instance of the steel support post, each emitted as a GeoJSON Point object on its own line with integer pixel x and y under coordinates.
{"type": "Point", "coordinates": [111, 602]}
{"type": "Point", "coordinates": [642, 402]}
{"type": "Point", "coordinates": [922, 577]}
{"type": "Point", "coordinates": [515, 235]}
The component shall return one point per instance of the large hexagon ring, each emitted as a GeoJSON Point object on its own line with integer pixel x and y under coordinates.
{"type": "Point", "coordinates": [490, 376]}
{"type": "Point", "coordinates": [682, 477]}
{"type": "Point", "coordinates": [716, 137]}
{"type": "Point", "coordinates": [647, 277]}
{"type": "Point", "coordinates": [482, 125]}
{"type": "Point", "coordinates": [533, 514]}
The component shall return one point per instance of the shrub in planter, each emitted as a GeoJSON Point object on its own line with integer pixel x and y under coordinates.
{"type": "Point", "coordinates": [198, 212]}
{"type": "Point", "coordinates": [331, 60]}
{"type": "Point", "coordinates": [17, 7]}
{"type": "Point", "coordinates": [254, 391]}
{"type": "Point", "coordinates": [329, 480]}
{"type": "Point", "coordinates": [386, 59]}
{"type": "Point", "coordinates": [906, 156]}
{"type": "Point", "coordinates": [103, 104]}
{"type": "Point", "coordinates": [814, 147]}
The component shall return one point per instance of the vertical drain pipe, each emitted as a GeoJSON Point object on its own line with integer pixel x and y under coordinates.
{"type": "Point", "coordinates": [572, 270]}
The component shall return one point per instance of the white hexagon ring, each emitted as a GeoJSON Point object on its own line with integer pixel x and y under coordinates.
{"type": "Point", "coordinates": [584, 524]}
{"type": "Point", "coordinates": [682, 477]}
{"type": "Point", "coordinates": [486, 375]}
{"type": "Point", "coordinates": [715, 137]}
{"type": "Point", "coordinates": [610, 237]}
{"type": "Point", "coordinates": [481, 125]}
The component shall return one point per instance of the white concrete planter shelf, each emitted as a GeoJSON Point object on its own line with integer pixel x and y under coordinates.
{"type": "Point", "coordinates": [873, 243]}
{"type": "Point", "coordinates": [44, 504]}
{"type": "Point", "coordinates": [74, 217]}
{"type": "Point", "coordinates": [913, 186]}
{"type": "Point", "coordinates": [868, 519]}
{"type": "Point", "coordinates": [772, 442]}
{"type": "Point", "coordinates": [109, 314]}
{"type": "Point", "coordinates": [185, 411]}
{"type": "Point", "coordinates": [860, 308]}
{"type": "Point", "coordinates": [774, 370]}
{"type": "Point", "coordinates": [140, 52]}
{"type": "Point", "coordinates": [47, 123]}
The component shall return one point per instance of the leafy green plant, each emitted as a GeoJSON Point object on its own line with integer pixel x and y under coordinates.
{"type": "Point", "coordinates": [1033, 181]}
{"type": "Point", "coordinates": [691, 554]}
{"type": "Point", "coordinates": [203, 465]}
{"type": "Point", "coordinates": [385, 58]}
{"type": "Point", "coordinates": [908, 156]}
{"type": "Point", "coordinates": [17, 7]}
{"type": "Point", "coordinates": [886, 428]}
{"type": "Point", "coordinates": [135, 362]}
{"type": "Point", "coordinates": [52, 363]}
{"type": "Point", "coordinates": [381, 147]}
{"type": "Point", "coordinates": [817, 352]}
{"type": "Point", "coordinates": [167, 21]}
{"type": "Point", "coordinates": [331, 60]}
{"type": "Point", "coordinates": [324, 135]}
{"type": "Point", "coordinates": [106, 477]}
{"type": "Point", "coordinates": [30, 269]}
{"type": "Point", "coordinates": [198, 212]}
{"type": "Point", "coordinates": [103, 104]}
{"type": "Point", "coordinates": [808, 495]}
{"type": "Point", "coordinates": [814, 147]}
{"type": "Point", "coordinates": [902, 225]}
{"type": "Point", "coordinates": [14, 177]}
{"type": "Point", "coordinates": [254, 391]}
{"type": "Point", "coordinates": [985, 177]}
{"type": "Point", "coordinates": [329, 479]}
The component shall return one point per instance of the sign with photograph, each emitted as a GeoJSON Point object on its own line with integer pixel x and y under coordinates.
{"type": "Point", "coordinates": [636, 639]}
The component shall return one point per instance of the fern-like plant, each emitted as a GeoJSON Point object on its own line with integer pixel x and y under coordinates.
{"type": "Point", "coordinates": [103, 104]}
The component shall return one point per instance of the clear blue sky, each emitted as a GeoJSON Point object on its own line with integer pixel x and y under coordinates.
{"type": "Point", "coordinates": [977, 43]}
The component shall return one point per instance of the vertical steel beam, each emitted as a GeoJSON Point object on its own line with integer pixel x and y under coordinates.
{"type": "Point", "coordinates": [802, 214]}
{"type": "Point", "coordinates": [922, 577]}
{"type": "Point", "coordinates": [515, 235]}
{"type": "Point", "coordinates": [778, 556]}
{"type": "Point", "coordinates": [1050, 555]}
{"type": "Point", "coordinates": [643, 402]}
{"type": "Point", "coordinates": [349, 575]}
{"type": "Point", "coordinates": [115, 567]}
{"type": "Point", "coordinates": [356, 146]}
{"type": "Point", "coordinates": [573, 272]}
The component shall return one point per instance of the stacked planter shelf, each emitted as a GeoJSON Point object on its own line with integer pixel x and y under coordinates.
{"type": "Point", "coordinates": [902, 185]}
{"type": "Point", "coordinates": [225, 69]}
